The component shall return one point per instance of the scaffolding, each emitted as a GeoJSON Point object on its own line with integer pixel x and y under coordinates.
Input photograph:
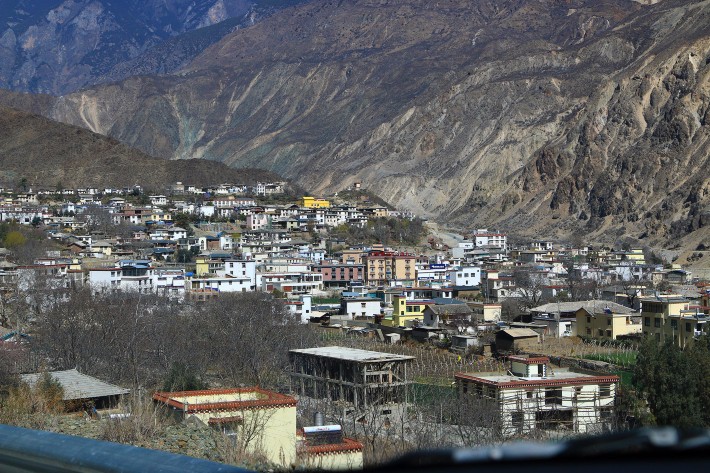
{"type": "Point", "coordinates": [565, 402]}
{"type": "Point", "coordinates": [360, 378]}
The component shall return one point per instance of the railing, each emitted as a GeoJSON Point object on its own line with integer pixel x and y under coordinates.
{"type": "Point", "coordinates": [24, 450]}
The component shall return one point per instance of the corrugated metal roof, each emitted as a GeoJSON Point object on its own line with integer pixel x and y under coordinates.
{"type": "Point", "coordinates": [450, 309]}
{"type": "Point", "coordinates": [520, 332]}
{"type": "Point", "coordinates": [78, 386]}
{"type": "Point", "coordinates": [593, 306]}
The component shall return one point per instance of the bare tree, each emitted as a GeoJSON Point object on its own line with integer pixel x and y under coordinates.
{"type": "Point", "coordinates": [528, 286]}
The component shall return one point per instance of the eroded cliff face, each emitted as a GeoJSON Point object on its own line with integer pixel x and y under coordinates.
{"type": "Point", "coordinates": [507, 113]}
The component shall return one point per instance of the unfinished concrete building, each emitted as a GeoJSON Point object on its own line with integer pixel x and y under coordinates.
{"type": "Point", "coordinates": [361, 378]}
{"type": "Point", "coordinates": [531, 396]}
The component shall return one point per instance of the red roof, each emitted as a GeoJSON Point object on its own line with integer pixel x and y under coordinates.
{"type": "Point", "coordinates": [529, 360]}
{"type": "Point", "coordinates": [347, 445]}
{"type": "Point", "coordinates": [528, 383]}
{"type": "Point", "coordinates": [269, 399]}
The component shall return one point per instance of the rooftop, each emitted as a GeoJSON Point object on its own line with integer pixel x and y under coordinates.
{"type": "Point", "coordinates": [77, 385]}
{"type": "Point", "coordinates": [352, 354]}
{"type": "Point", "coordinates": [592, 306]}
{"type": "Point", "coordinates": [224, 399]}
{"type": "Point", "coordinates": [561, 377]}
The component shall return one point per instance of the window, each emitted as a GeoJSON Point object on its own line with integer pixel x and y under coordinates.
{"type": "Point", "coordinates": [589, 331]}
{"type": "Point", "coordinates": [529, 394]}
{"type": "Point", "coordinates": [647, 321]}
{"type": "Point", "coordinates": [517, 419]}
{"type": "Point", "coordinates": [600, 332]}
{"type": "Point", "coordinates": [604, 390]}
{"type": "Point", "coordinates": [608, 321]}
{"type": "Point", "coordinates": [553, 396]}
{"type": "Point", "coordinates": [608, 333]}
{"type": "Point", "coordinates": [674, 324]}
{"type": "Point", "coordinates": [589, 320]}
{"type": "Point", "coordinates": [657, 322]}
{"type": "Point", "coordinates": [688, 327]}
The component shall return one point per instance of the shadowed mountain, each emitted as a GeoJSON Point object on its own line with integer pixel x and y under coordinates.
{"type": "Point", "coordinates": [47, 153]}
{"type": "Point", "coordinates": [555, 118]}
{"type": "Point", "coordinates": [58, 46]}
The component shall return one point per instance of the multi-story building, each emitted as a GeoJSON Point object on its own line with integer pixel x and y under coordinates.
{"type": "Point", "coordinates": [340, 275]}
{"type": "Point", "coordinates": [385, 267]}
{"type": "Point", "coordinates": [483, 238]}
{"type": "Point", "coordinates": [358, 379]}
{"type": "Point", "coordinates": [406, 312]}
{"type": "Point", "coordinates": [670, 318]}
{"type": "Point", "coordinates": [466, 276]}
{"type": "Point", "coordinates": [126, 275]}
{"type": "Point", "coordinates": [605, 323]}
{"type": "Point", "coordinates": [531, 396]}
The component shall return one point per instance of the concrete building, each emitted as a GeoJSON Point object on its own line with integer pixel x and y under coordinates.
{"type": "Point", "coordinates": [466, 276]}
{"type": "Point", "coordinates": [604, 323]}
{"type": "Point", "coordinates": [362, 379]}
{"type": "Point", "coordinates": [265, 420]}
{"type": "Point", "coordinates": [483, 238]}
{"type": "Point", "coordinates": [485, 312]}
{"type": "Point", "coordinates": [670, 318]}
{"type": "Point", "coordinates": [531, 396]}
{"type": "Point", "coordinates": [447, 314]}
{"type": "Point", "coordinates": [340, 274]}
{"type": "Point", "coordinates": [406, 312]}
{"type": "Point", "coordinates": [360, 307]}
{"type": "Point", "coordinates": [385, 267]}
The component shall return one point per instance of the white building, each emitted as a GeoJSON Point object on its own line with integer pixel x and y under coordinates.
{"type": "Point", "coordinates": [360, 307]}
{"type": "Point", "coordinates": [466, 276]}
{"type": "Point", "coordinates": [482, 237]}
{"type": "Point", "coordinates": [127, 275]}
{"type": "Point", "coordinates": [301, 309]}
{"type": "Point", "coordinates": [531, 396]}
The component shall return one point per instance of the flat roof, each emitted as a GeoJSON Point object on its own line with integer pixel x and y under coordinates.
{"type": "Point", "coordinates": [224, 399]}
{"type": "Point", "coordinates": [561, 377]}
{"type": "Point", "coordinates": [352, 354]}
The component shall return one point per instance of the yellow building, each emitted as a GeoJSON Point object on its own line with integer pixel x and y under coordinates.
{"type": "Point", "coordinates": [635, 255]}
{"type": "Point", "coordinates": [669, 318]}
{"type": "Point", "coordinates": [314, 203]}
{"type": "Point", "coordinates": [264, 420]}
{"type": "Point", "coordinates": [485, 312]}
{"type": "Point", "coordinates": [204, 266]}
{"type": "Point", "coordinates": [604, 324]}
{"type": "Point", "coordinates": [265, 424]}
{"type": "Point", "coordinates": [382, 267]}
{"type": "Point", "coordinates": [328, 453]}
{"type": "Point", "coordinates": [405, 313]}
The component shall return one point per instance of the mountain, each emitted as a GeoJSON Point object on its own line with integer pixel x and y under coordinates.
{"type": "Point", "coordinates": [48, 154]}
{"type": "Point", "coordinates": [58, 46]}
{"type": "Point", "coordinates": [583, 117]}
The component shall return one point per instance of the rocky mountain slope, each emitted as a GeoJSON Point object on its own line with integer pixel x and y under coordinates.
{"type": "Point", "coordinates": [48, 154]}
{"type": "Point", "coordinates": [554, 118]}
{"type": "Point", "coordinates": [57, 46]}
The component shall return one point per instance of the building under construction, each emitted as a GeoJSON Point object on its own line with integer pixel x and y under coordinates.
{"type": "Point", "coordinates": [361, 378]}
{"type": "Point", "coordinates": [531, 396]}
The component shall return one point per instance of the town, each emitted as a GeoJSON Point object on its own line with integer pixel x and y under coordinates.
{"type": "Point", "coordinates": [332, 332]}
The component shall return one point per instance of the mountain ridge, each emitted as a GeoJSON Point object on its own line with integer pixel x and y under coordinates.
{"type": "Point", "coordinates": [49, 154]}
{"type": "Point", "coordinates": [518, 114]}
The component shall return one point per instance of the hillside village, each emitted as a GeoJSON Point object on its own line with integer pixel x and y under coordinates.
{"type": "Point", "coordinates": [530, 340]}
